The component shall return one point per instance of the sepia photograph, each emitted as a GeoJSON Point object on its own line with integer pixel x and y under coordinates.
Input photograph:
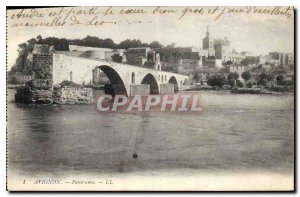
{"type": "Point", "coordinates": [153, 98]}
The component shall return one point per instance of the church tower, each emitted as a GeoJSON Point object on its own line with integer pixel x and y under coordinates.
{"type": "Point", "coordinates": [208, 43]}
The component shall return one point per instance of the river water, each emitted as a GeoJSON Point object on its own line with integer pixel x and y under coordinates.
{"type": "Point", "coordinates": [232, 133]}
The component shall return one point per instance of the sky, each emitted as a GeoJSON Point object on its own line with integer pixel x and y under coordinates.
{"type": "Point", "coordinates": [259, 34]}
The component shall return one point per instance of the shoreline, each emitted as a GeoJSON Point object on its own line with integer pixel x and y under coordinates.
{"type": "Point", "coordinates": [229, 91]}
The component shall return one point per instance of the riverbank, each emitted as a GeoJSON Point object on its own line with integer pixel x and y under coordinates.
{"type": "Point", "coordinates": [244, 90]}
{"type": "Point", "coordinates": [249, 91]}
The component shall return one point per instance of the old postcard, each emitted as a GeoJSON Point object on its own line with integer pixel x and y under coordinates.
{"type": "Point", "coordinates": [150, 98]}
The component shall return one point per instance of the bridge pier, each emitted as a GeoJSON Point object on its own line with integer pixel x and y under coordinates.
{"type": "Point", "coordinates": [144, 89]}
{"type": "Point", "coordinates": [139, 89]}
{"type": "Point", "coordinates": [166, 88]}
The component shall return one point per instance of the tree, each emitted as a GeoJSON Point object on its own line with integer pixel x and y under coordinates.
{"type": "Point", "coordinates": [239, 83]}
{"type": "Point", "coordinates": [93, 41]}
{"type": "Point", "coordinates": [39, 37]}
{"type": "Point", "coordinates": [232, 79]}
{"type": "Point", "coordinates": [289, 82]}
{"type": "Point", "coordinates": [234, 76]}
{"type": "Point", "coordinates": [24, 49]}
{"type": "Point", "coordinates": [249, 84]}
{"type": "Point", "coordinates": [270, 77]}
{"type": "Point", "coordinates": [262, 76]}
{"type": "Point", "coordinates": [197, 77]}
{"type": "Point", "coordinates": [109, 43]}
{"type": "Point", "coordinates": [155, 44]}
{"type": "Point", "coordinates": [30, 44]}
{"type": "Point", "coordinates": [14, 80]}
{"type": "Point", "coordinates": [230, 76]}
{"type": "Point", "coordinates": [280, 80]}
{"type": "Point", "coordinates": [126, 44]}
{"type": "Point", "coordinates": [246, 75]}
{"type": "Point", "coordinates": [60, 44]}
{"type": "Point", "coordinates": [231, 82]}
{"type": "Point", "coordinates": [116, 58]}
{"type": "Point", "coordinates": [262, 82]}
{"type": "Point", "coordinates": [262, 79]}
{"type": "Point", "coordinates": [217, 80]}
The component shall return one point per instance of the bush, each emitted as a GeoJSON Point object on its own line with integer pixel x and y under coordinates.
{"type": "Point", "coordinates": [234, 76]}
{"type": "Point", "coordinates": [270, 77]}
{"type": "Point", "coordinates": [39, 84]}
{"type": "Point", "coordinates": [14, 80]}
{"type": "Point", "coordinates": [69, 83]}
{"type": "Point", "coordinates": [197, 77]}
{"type": "Point", "coordinates": [217, 80]}
{"type": "Point", "coordinates": [239, 83]}
{"type": "Point", "coordinates": [231, 82]}
{"type": "Point", "coordinates": [117, 58]}
{"type": "Point", "coordinates": [246, 75]}
{"type": "Point", "coordinates": [249, 85]}
{"type": "Point", "coordinates": [262, 82]}
{"type": "Point", "coordinates": [278, 88]}
{"type": "Point", "coordinates": [289, 83]}
{"type": "Point", "coordinates": [280, 80]}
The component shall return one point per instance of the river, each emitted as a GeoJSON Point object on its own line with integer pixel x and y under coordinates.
{"type": "Point", "coordinates": [232, 133]}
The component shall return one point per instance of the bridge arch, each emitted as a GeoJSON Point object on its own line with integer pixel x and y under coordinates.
{"type": "Point", "coordinates": [150, 79]}
{"type": "Point", "coordinates": [116, 81]}
{"type": "Point", "coordinates": [173, 81]}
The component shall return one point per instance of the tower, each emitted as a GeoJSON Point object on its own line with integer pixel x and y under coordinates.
{"type": "Point", "coordinates": [208, 44]}
{"type": "Point", "coordinates": [208, 41]}
{"type": "Point", "coordinates": [222, 47]}
{"type": "Point", "coordinates": [207, 31]}
{"type": "Point", "coordinates": [157, 65]}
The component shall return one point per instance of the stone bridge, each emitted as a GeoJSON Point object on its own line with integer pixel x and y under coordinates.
{"type": "Point", "coordinates": [125, 79]}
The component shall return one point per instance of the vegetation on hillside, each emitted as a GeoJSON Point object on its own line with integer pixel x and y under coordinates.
{"type": "Point", "coordinates": [24, 66]}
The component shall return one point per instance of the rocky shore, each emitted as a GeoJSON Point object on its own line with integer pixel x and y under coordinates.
{"type": "Point", "coordinates": [55, 95]}
{"type": "Point", "coordinates": [72, 95]}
